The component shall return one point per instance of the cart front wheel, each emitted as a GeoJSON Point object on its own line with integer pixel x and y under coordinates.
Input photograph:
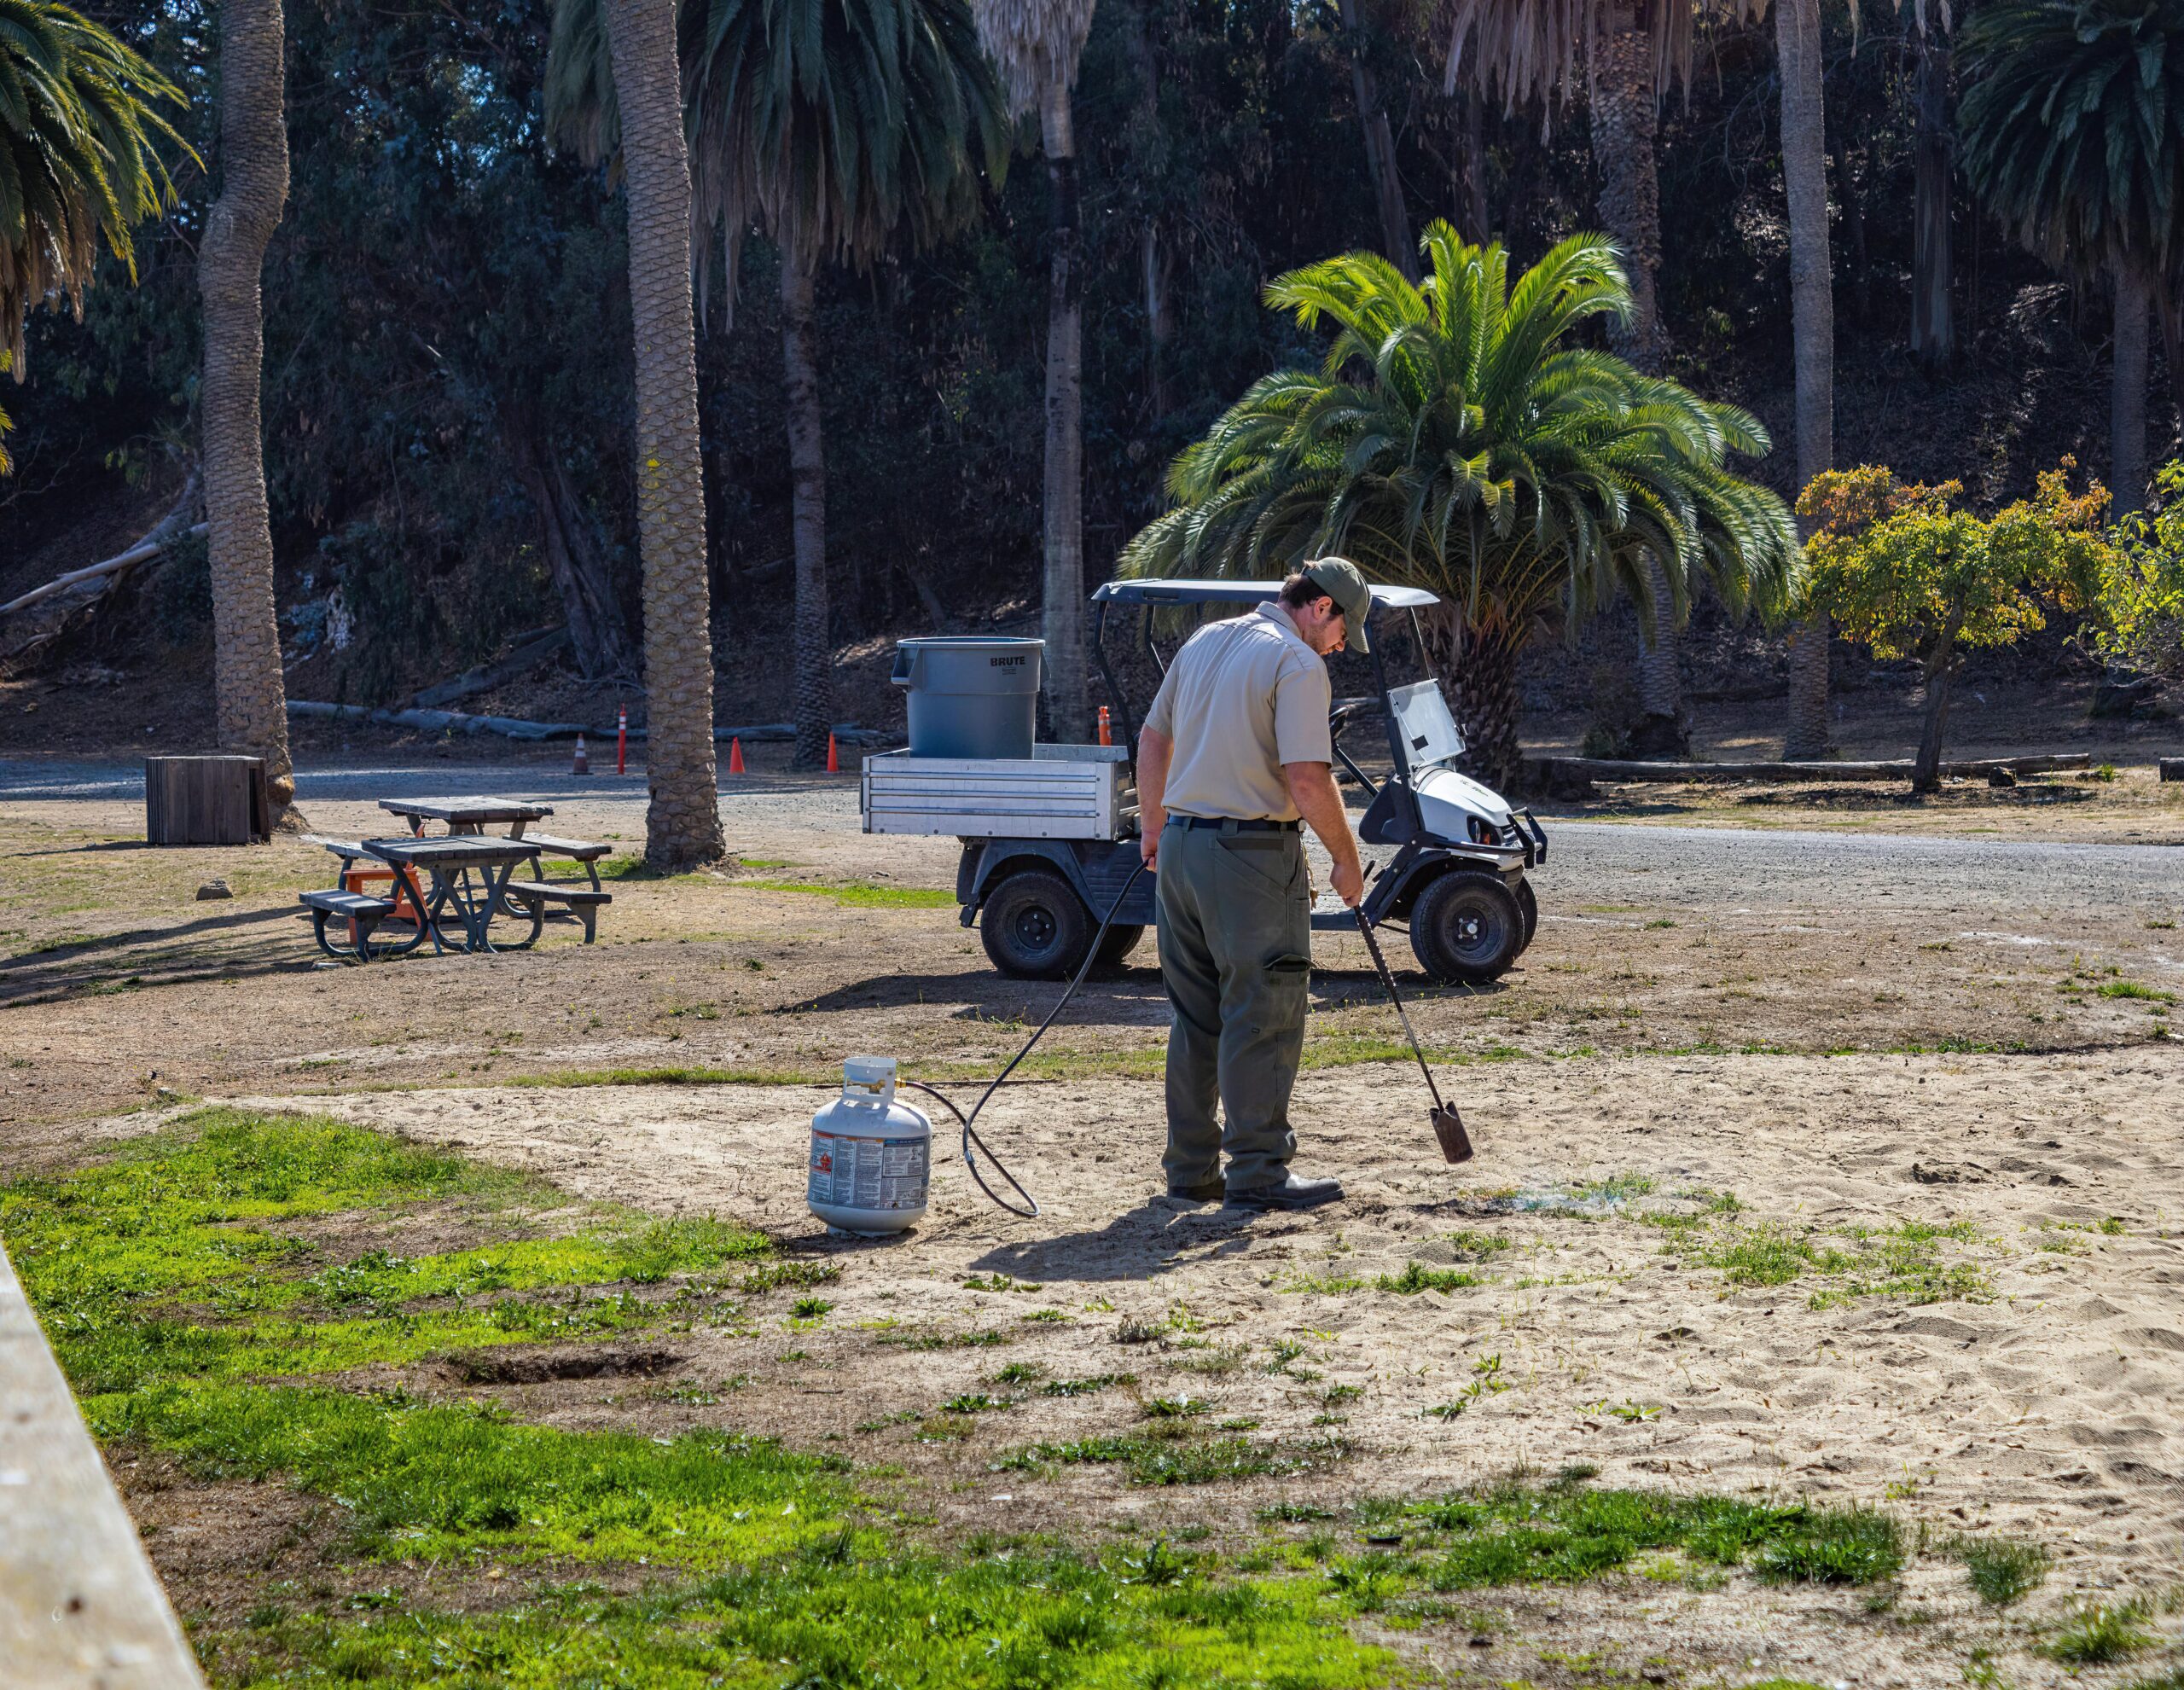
{"type": "Point", "coordinates": [1035, 927]}
{"type": "Point", "coordinates": [1466, 928]}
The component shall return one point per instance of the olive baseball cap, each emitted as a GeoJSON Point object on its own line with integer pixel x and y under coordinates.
{"type": "Point", "coordinates": [1338, 578]}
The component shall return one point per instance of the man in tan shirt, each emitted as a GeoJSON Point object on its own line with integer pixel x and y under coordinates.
{"type": "Point", "coordinates": [1236, 752]}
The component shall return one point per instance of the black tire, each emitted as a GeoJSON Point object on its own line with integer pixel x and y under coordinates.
{"type": "Point", "coordinates": [1527, 907]}
{"type": "Point", "coordinates": [1466, 928]}
{"type": "Point", "coordinates": [1122, 939]}
{"type": "Point", "coordinates": [1035, 926]}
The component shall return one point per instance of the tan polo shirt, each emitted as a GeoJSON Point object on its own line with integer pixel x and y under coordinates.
{"type": "Point", "coordinates": [1242, 698]}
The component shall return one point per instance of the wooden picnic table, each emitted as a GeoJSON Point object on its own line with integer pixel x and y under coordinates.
{"type": "Point", "coordinates": [464, 816]}
{"type": "Point", "coordinates": [452, 861]}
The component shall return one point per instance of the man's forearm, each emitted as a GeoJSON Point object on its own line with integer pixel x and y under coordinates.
{"type": "Point", "coordinates": [1312, 788]}
{"type": "Point", "coordinates": [1154, 748]}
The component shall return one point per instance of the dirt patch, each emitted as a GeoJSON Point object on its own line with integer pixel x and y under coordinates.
{"type": "Point", "coordinates": [542, 1367]}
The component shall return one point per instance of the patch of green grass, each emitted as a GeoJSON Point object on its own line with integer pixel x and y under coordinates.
{"type": "Point", "coordinates": [831, 1617]}
{"type": "Point", "coordinates": [977, 1404]}
{"type": "Point", "coordinates": [1416, 1277]}
{"type": "Point", "coordinates": [2002, 1569]}
{"type": "Point", "coordinates": [191, 1254]}
{"type": "Point", "coordinates": [1905, 1260]}
{"type": "Point", "coordinates": [1560, 1534]}
{"type": "Point", "coordinates": [1161, 1462]}
{"type": "Point", "coordinates": [860, 894]}
{"type": "Point", "coordinates": [416, 1482]}
{"type": "Point", "coordinates": [1085, 1387]}
{"type": "Point", "coordinates": [2101, 1635]}
{"type": "Point", "coordinates": [775, 1275]}
{"type": "Point", "coordinates": [2132, 989]}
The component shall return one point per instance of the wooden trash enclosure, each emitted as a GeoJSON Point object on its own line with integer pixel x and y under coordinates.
{"type": "Point", "coordinates": [206, 800]}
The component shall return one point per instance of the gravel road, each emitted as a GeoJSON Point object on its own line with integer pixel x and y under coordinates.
{"type": "Point", "coordinates": [1723, 870]}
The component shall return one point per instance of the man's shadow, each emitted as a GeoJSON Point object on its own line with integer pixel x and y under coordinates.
{"type": "Point", "coordinates": [1139, 1244]}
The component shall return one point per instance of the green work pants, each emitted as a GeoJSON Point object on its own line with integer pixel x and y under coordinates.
{"type": "Point", "coordinates": [1235, 927]}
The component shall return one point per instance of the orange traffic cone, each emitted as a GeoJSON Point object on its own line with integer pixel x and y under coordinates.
{"type": "Point", "coordinates": [581, 764]}
{"type": "Point", "coordinates": [735, 756]}
{"type": "Point", "coordinates": [833, 757]}
{"type": "Point", "coordinates": [1107, 727]}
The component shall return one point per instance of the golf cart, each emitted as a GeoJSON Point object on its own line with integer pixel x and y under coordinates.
{"type": "Point", "coordinates": [1050, 842]}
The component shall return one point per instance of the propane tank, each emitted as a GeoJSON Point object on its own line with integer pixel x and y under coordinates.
{"type": "Point", "coordinates": [871, 1157]}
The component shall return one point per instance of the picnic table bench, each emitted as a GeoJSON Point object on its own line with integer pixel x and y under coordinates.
{"type": "Point", "coordinates": [473, 878]}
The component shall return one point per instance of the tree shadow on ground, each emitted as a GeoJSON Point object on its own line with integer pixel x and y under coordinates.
{"type": "Point", "coordinates": [985, 994]}
{"type": "Point", "coordinates": [105, 961]}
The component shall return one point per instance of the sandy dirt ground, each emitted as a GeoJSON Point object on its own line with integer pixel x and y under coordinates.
{"type": "Point", "coordinates": [1935, 1074]}
{"type": "Point", "coordinates": [2044, 1401]}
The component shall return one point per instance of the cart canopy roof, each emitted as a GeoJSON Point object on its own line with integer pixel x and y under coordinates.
{"type": "Point", "coordinates": [1155, 591]}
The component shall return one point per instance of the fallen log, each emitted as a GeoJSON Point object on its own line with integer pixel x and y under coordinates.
{"type": "Point", "coordinates": [1887, 768]}
{"type": "Point", "coordinates": [458, 722]}
{"type": "Point", "coordinates": [530, 651]}
{"type": "Point", "coordinates": [65, 601]}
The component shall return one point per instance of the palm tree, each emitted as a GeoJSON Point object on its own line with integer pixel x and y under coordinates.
{"type": "Point", "coordinates": [1037, 43]}
{"type": "Point", "coordinates": [1456, 438]}
{"type": "Point", "coordinates": [250, 696]}
{"type": "Point", "coordinates": [2072, 120]}
{"type": "Point", "coordinates": [836, 124]}
{"type": "Point", "coordinates": [1532, 48]}
{"type": "Point", "coordinates": [1629, 55]}
{"type": "Point", "coordinates": [627, 103]}
{"type": "Point", "coordinates": [80, 126]}
{"type": "Point", "coordinates": [1812, 316]}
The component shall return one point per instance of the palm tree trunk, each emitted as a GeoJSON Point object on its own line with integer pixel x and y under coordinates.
{"type": "Point", "coordinates": [1152, 260]}
{"type": "Point", "coordinates": [1474, 220]}
{"type": "Point", "coordinates": [1483, 670]}
{"type": "Point", "coordinates": [1933, 328]}
{"type": "Point", "coordinates": [1625, 124]}
{"type": "Point", "coordinates": [682, 821]}
{"type": "Point", "coordinates": [1395, 236]}
{"type": "Point", "coordinates": [249, 696]}
{"type": "Point", "coordinates": [1812, 312]}
{"type": "Point", "coordinates": [2127, 400]}
{"type": "Point", "coordinates": [807, 468]}
{"type": "Point", "coordinates": [1063, 617]}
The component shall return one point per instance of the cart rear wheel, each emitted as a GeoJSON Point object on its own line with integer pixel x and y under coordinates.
{"type": "Point", "coordinates": [1466, 928]}
{"type": "Point", "coordinates": [1121, 940]}
{"type": "Point", "coordinates": [1035, 927]}
{"type": "Point", "coordinates": [1527, 907]}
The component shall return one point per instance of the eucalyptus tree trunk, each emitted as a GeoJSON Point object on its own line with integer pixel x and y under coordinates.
{"type": "Point", "coordinates": [598, 632]}
{"type": "Point", "coordinates": [2127, 400]}
{"type": "Point", "coordinates": [1063, 618]}
{"type": "Point", "coordinates": [807, 468]}
{"type": "Point", "coordinates": [1625, 125]}
{"type": "Point", "coordinates": [1933, 326]}
{"type": "Point", "coordinates": [1395, 236]}
{"type": "Point", "coordinates": [250, 697]}
{"type": "Point", "coordinates": [1812, 315]}
{"type": "Point", "coordinates": [682, 821]}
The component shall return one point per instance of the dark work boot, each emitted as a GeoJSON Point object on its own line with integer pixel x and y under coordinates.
{"type": "Point", "coordinates": [1205, 1191]}
{"type": "Point", "coordinates": [1291, 1192]}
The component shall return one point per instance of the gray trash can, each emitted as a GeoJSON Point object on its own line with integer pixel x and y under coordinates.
{"type": "Point", "coordinates": [971, 697]}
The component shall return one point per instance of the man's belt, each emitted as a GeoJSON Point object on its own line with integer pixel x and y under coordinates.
{"type": "Point", "coordinates": [1233, 825]}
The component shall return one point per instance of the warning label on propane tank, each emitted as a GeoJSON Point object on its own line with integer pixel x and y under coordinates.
{"type": "Point", "coordinates": [868, 1173]}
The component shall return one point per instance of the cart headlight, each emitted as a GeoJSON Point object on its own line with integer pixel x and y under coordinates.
{"type": "Point", "coordinates": [1482, 833]}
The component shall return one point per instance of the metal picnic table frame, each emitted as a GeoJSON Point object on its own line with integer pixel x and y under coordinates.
{"type": "Point", "coordinates": [451, 861]}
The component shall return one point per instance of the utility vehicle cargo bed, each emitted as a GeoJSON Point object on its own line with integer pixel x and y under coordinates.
{"type": "Point", "coordinates": [1058, 793]}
